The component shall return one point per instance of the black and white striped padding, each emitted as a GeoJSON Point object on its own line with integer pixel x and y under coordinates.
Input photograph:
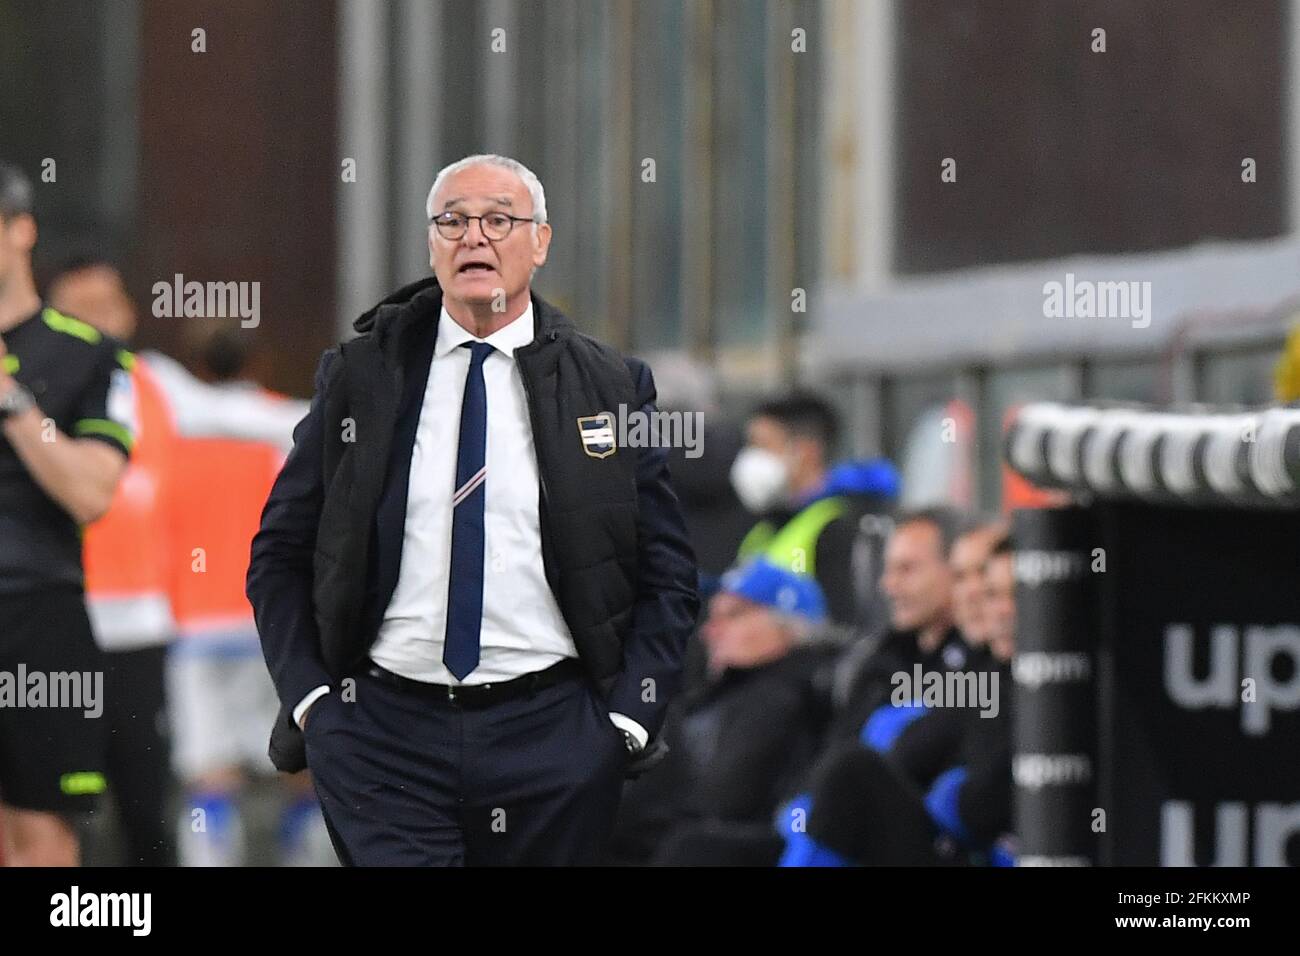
{"type": "Point", "coordinates": [1199, 456]}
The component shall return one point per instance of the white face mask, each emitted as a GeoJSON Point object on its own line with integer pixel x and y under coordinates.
{"type": "Point", "coordinates": [760, 478]}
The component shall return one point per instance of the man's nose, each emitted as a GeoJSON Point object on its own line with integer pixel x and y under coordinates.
{"type": "Point", "coordinates": [474, 234]}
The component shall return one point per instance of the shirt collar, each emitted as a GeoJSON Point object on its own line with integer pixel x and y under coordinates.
{"type": "Point", "coordinates": [505, 340]}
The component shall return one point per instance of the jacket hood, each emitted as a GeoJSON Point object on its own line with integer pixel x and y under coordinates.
{"type": "Point", "coordinates": [426, 294]}
{"type": "Point", "coordinates": [874, 477]}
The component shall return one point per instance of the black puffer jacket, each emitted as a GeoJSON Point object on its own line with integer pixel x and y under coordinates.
{"type": "Point", "coordinates": [326, 560]}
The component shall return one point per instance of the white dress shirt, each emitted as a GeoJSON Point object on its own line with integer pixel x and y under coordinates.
{"type": "Point", "coordinates": [523, 630]}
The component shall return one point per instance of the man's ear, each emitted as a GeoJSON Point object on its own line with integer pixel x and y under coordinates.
{"type": "Point", "coordinates": [541, 244]}
{"type": "Point", "coordinates": [22, 231]}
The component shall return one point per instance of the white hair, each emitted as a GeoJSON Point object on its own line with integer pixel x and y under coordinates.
{"type": "Point", "coordinates": [800, 628]}
{"type": "Point", "coordinates": [526, 175]}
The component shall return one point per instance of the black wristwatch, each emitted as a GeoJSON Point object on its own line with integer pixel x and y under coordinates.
{"type": "Point", "coordinates": [16, 401]}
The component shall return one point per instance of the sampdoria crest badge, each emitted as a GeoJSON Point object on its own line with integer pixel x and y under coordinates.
{"type": "Point", "coordinates": [597, 433]}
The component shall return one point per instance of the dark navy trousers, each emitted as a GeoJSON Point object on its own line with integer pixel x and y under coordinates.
{"type": "Point", "coordinates": [407, 780]}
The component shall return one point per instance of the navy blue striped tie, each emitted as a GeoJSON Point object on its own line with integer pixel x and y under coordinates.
{"type": "Point", "coordinates": [460, 650]}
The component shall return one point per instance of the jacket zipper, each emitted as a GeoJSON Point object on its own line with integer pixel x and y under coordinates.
{"type": "Point", "coordinates": [544, 519]}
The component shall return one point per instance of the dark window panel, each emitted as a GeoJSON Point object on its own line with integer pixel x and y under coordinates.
{"type": "Point", "coordinates": [1061, 150]}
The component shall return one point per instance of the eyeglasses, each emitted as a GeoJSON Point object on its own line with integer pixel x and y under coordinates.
{"type": "Point", "coordinates": [494, 225]}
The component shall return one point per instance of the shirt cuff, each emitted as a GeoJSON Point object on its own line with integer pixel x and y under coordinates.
{"type": "Point", "coordinates": [311, 698]}
{"type": "Point", "coordinates": [623, 722]}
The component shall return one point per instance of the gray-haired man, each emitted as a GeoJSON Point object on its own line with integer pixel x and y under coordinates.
{"type": "Point", "coordinates": [472, 602]}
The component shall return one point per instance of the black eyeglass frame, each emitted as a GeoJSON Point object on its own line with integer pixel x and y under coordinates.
{"type": "Point", "coordinates": [435, 221]}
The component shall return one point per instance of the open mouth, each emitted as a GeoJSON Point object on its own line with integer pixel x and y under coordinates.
{"type": "Point", "coordinates": [473, 268]}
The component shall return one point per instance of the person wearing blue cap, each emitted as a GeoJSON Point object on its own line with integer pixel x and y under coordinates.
{"type": "Point", "coordinates": [749, 734]}
{"type": "Point", "coordinates": [789, 607]}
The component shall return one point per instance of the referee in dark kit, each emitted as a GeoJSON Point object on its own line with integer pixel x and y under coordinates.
{"type": "Point", "coordinates": [65, 434]}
